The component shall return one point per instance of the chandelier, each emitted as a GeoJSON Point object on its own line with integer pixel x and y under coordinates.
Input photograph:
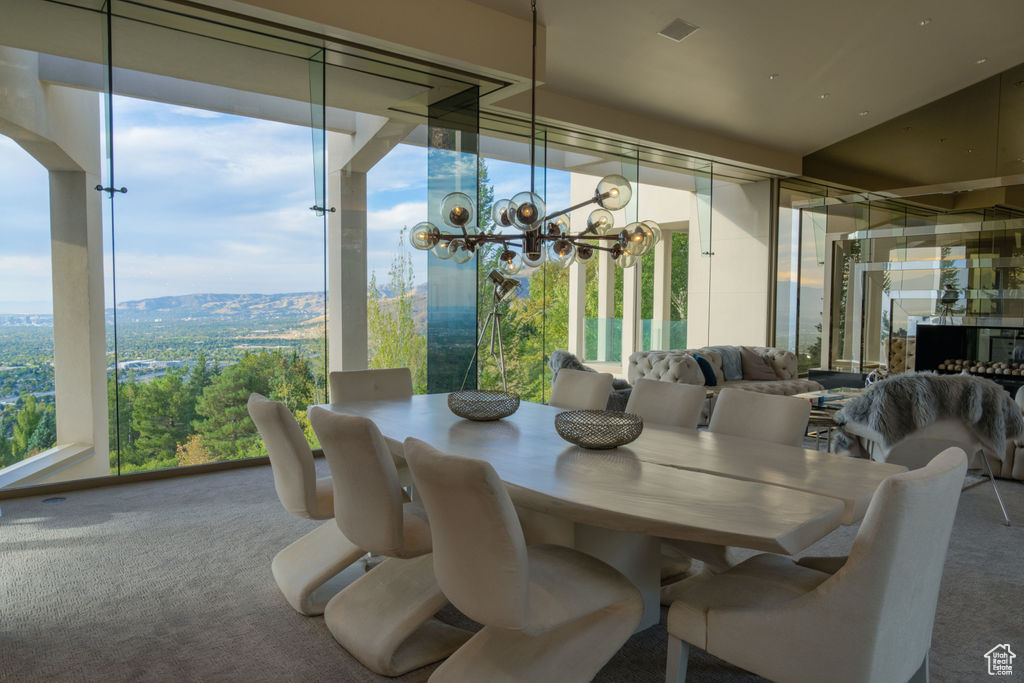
{"type": "Point", "coordinates": [542, 236]}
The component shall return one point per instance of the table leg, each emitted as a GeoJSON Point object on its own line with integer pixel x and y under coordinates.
{"type": "Point", "coordinates": [636, 556]}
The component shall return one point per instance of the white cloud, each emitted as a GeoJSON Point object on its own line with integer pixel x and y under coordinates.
{"type": "Point", "coordinates": [393, 219]}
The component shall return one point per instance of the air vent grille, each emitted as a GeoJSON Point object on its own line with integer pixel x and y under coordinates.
{"type": "Point", "coordinates": [678, 30]}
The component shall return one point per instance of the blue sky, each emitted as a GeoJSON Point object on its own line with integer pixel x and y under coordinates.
{"type": "Point", "coordinates": [215, 203]}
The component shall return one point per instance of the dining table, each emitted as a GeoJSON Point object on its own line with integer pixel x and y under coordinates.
{"type": "Point", "coordinates": [672, 483]}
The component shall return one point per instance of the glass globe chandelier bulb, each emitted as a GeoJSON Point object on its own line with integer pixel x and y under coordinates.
{"type": "Point", "coordinates": [584, 252]}
{"type": "Point", "coordinates": [562, 253]}
{"type": "Point", "coordinates": [510, 262]}
{"type": "Point", "coordinates": [460, 252]}
{"type": "Point", "coordinates": [654, 230]}
{"type": "Point", "coordinates": [559, 225]}
{"type": "Point", "coordinates": [501, 213]}
{"type": "Point", "coordinates": [529, 210]}
{"type": "Point", "coordinates": [613, 192]}
{"type": "Point", "coordinates": [600, 221]}
{"type": "Point", "coordinates": [441, 250]}
{"type": "Point", "coordinates": [637, 242]}
{"type": "Point", "coordinates": [424, 236]}
{"type": "Point", "coordinates": [615, 250]}
{"type": "Point", "coordinates": [535, 260]}
{"type": "Point", "coordinates": [457, 210]}
{"type": "Point", "coordinates": [626, 261]}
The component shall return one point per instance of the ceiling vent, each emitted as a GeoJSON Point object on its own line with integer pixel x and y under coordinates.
{"type": "Point", "coordinates": [678, 30]}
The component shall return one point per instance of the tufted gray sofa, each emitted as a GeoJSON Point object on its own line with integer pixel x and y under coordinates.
{"type": "Point", "coordinates": [680, 366]}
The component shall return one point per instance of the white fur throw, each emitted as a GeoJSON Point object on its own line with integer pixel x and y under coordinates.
{"type": "Point", "coordinates": [904, 403]}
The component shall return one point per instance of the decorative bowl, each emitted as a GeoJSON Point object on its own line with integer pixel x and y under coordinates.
{"type": "Point", "coordinates": [482, 405]}
{"type": "Point", "coordinates": [598, 429]}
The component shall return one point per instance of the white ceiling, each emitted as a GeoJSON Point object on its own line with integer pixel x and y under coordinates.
{"type": "Point", "coordinates": [869, 55]}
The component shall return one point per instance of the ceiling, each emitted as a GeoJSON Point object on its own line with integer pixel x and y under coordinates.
{"type": "Point", "coordinates": [869, 56]}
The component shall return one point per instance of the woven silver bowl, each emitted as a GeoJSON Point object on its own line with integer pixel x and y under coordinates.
{"type": "Point", "coordinates": [598, 429]}
{"type": "Point", "coordinates": [482, 405]}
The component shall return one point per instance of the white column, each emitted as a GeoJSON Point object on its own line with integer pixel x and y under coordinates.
{"type": "Point", "coordinates": [605, 303]}
{"type": "Point", "coordinates": [630, 313]}
{"type": "Point", "coordinates": [79, 334]}
{"type": "Point", "coordinates": [660, 324]}
{"type": "Point", "coordinates": [577, 309]}
{"type": "Point", "coordinates": [346, 270]}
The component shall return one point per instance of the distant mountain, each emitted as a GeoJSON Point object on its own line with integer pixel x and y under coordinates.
{"type": "Point", "coordinates": [223, 307]}
{"type": "Point", "coordinates": [294, 307]}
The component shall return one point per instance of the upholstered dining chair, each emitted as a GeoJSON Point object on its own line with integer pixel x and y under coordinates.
{"type": "Point", "coordinates": [581, 390]}
{"type": "Point", "coordinates": [375, 385]}
{"type": "Point", "coordinates": [302, 568]}
{"type": "Point", "coordinates": [549, 612]}
{"type": "Point", "coordinates": [779, 419]}
{"type": "Point", "coordinates": [667, 403]}
{"type": "Point", "coordinates": [366, 385]}
{"type": "Point", "coordinates": [868, 620]}
{"type": "Point", "coordinates": [385, 617]}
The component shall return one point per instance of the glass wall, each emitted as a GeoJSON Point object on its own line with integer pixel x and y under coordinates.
{"type": "Point", "coordinates": [858, 273]}
{"type": "Point", "coordinates": [27, 417]}
{"type": "Point", "coordinates": [205, 147]}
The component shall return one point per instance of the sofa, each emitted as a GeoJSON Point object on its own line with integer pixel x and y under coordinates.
{"type": "Point", "coordinates": [680, 365]}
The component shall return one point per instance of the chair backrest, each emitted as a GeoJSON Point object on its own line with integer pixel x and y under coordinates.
{"type": "Point", "coordinates": [779, 419]}
{"type": "Point", "coordinates": [367, 494]}
{"type": "Point", "coordinates": [480, 556]}
{"type": "Point", "coordinates": [291, 459]}
{"type": "Point", "coordinates": [368, 385]}
{"type": "Point", "coordinates": [919, 447]}
{"type": "Point", "coordinates": [886, 593]}
{"type": "Point", "coordinates": [667, 403]}
{"type": "Point", "coordinates": [581, 390]}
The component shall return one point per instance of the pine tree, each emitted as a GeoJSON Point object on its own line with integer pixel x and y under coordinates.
{"type": "Point", "coordinates": [24, 425]}
{"type": "Point", "coordinates": [161, 416]}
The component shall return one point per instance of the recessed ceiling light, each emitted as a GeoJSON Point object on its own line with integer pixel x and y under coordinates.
{"type": "Point", "coordinates": [677, 30]}
{"type": "Point", "coordinates": [1018, 84]}
{"type": "Point", "coordinates": [981, 60]}
{"type": "Point", "coordinates": [970, 149]}
{"type": "Point", "coordinates": [925, 21]}
{"type": "Point", "coordinates": [824, 96]}
{"type": "Point", "coordinates": [772, 77]}
{"type": "Point", "coordinates": [864, 113]}
{"type": "Point", "coordinates": [906, 129]}
{"type": "Point", "coordinates": [942, 139]}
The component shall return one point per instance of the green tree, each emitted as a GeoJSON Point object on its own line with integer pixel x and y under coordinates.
{"type": "Point", "coordinates": [162, 413]}
{"type": "Point", "coordinates": [223, 421]}
{"type": "Point", "coordinates": [29, 415]}
{"type": "Point", "coordinates": [44, 436]}
{"type": "Point", "coordinates": [120, 407]}
{"type": "Point", "coordinates": [6, 457]}
{"type": "Point", "coordinates": [393, 339]}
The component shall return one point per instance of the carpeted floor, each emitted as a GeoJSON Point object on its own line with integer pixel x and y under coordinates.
{"type": "Point", "coordinates": [171, 580]}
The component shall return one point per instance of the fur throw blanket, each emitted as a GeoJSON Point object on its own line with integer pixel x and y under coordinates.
{"type": "Point", "coordinates": [563, 359]}
{"type": "Point", "coordinates": [904, 403]}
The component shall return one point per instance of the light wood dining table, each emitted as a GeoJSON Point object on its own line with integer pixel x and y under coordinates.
{"type": "Point", "coordinates": [669, 483]}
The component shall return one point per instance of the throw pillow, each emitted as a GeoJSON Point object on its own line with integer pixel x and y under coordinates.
{"type": "Point", "coordinates": [709, 372]}
{"type": "Point", "coordinates": [755, 366]}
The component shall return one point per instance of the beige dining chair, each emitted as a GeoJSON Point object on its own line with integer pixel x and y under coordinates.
{"type": "Point", "coordinates": [368, 385]}
{"type": "Point", "coordinates": [303, 568]}
{"type": "Point", "coordinates": [550, 613]}
{"type": "Point", "coordinates": [385, 618]}
{"type": "Point", "coordinates": [870, 620]}
{"type": "Point", "coordinates": [737, 412]}
{"type": "Point", "coordinates": [375, 385]}
{"type": "Point", "coordinates": [581, 390]}
{"type": "Point", "coordinates": [667, 403]}
{"type": "Point", "coordinates": [780, 419]}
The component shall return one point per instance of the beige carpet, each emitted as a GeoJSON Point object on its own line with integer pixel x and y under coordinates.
{"type": "Point", "coordinates": [170, 581]}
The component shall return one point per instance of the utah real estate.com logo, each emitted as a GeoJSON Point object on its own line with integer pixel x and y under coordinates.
{"type": "Point", "coordinates": [1000, 660]}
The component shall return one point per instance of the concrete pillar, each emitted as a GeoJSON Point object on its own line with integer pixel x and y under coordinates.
{"type": "Point", "coordinates": [630, 313]}
{"type": "Point", "coordinates": [346, 270]}
{"type": "Point", "coordinates": [605, 304]}
{"type": "Point", "coordinates": [577, 309]}
{"type": "Point", "coordinates": [79, 334]}
{"type": "Point", "coordinates": [662, 317]}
